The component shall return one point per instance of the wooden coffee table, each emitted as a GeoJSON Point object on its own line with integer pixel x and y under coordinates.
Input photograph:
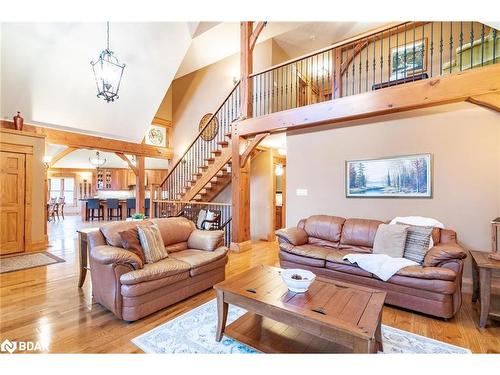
{"type": "Point", "coordinates": [332, 316]}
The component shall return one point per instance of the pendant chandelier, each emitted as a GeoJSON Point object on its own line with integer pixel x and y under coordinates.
{"type": "Point", "coordinates": [107, 73]}
{"type": "Point", "coordinates": [97, 161]}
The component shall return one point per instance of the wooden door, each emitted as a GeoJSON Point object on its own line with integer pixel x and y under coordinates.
{"type": "Point", "coordinates": [12, 192]}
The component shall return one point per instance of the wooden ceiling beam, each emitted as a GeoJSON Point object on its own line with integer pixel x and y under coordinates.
{"type": "Point", "coordinates": [122, 156]}
{"type": "Point", "coordinates": [491, 101]}
{"type": "Point", "coordinates": [251, 147]}
{"type": "Point", "coordinates": [456, 87]}
{"type": "Point", "coordinates": [60, 155]}
{"type": "Point", "coordinates": [70, 139]}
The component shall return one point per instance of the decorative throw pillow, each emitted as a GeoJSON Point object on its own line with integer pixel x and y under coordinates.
{"type": "Point", "coordinates": [417, 243]}
{"type": "Point", "coordinates": [210, 216]}
{"type": "Point", "coordinates": [201, 218]}
{"type": "Point", "coordinates": [131, 242]}
{"type": "Point", "coordinates": [152, 243]}
{"type": "Point", "coordinates": [390, 240]}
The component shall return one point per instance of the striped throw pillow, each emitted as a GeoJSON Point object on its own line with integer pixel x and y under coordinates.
{"type": "Point", "coordinates": [152, 243]}
{"type": "Point", "coordinates": [417, 243]}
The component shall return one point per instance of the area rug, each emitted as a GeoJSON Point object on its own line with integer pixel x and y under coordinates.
{"type": "Point", "coordinates": [194, 332]}
{"type": "Point", "coordinates": [24, 261]}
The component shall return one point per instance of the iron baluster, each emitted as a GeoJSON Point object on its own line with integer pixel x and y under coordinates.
{"type": "Point", "coordinates": [482, 45]}
{"type": "Point", "coordinates": [471, 44]}
{"type": "Point", "coordinates": [461, 42]}
{"type": "Point", "coordinates": [451, 44]}
{"type": "Point", "coordinates": [441, 50]}
{"type": "Point", "coordinates": [432, 45]}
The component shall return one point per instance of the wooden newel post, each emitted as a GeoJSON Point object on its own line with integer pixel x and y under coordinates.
{"type": "Point", "coordinates": [240, 174]}
{"type": "Point", "coordinates": [139, 185]}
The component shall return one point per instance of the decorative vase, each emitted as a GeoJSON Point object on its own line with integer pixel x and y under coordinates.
{"type": "Point", "coordinates": [18, 121]}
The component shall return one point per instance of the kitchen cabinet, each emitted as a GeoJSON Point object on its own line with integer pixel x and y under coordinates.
{"type": "Point", "coordinates": [119, 179]}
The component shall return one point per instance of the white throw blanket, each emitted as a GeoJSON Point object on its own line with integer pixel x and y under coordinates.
{"type": "Point", "coordinates": [381, 265]}
{"type": "Point", "coordinates": [419, 221]}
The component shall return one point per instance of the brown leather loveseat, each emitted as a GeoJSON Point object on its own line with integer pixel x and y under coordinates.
{"type": "Point", "coordinates": [131, 290]}
{"type": "Point", "coordinates": [319, 243]}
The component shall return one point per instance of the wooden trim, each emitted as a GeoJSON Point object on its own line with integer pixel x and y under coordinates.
{"type": "Point", "coordinates": [16, 148]}
{"type": "Point", "coordinates": [122, 156]}
{"type": "Point", "coordinates": [192, 202]}
{"type": "Point", "coordinates": [250, 147]}
{"type": "Point", "coordinates": [28, 200]}
{"type": "Point", "coordinates": [255, 34]}
{"type": "Point", "coordinates": [85, 141]}
{"type": "Point", "coordinates": [491, 101]}
{"type": "Point", "coordinates": [161, 122]}
{"type": "Point", "coordinates": [140, 193]}
{"type": "Point", "coordinates": [60, 155]}
{"type": "Point", "coordinates": [451, 88]}
{"type": "Point", "coordinates": [5, 128]}
{"type": "Point", "coordinates": [37, 245]}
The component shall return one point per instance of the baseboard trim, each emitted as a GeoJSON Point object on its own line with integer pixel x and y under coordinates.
{"type": "Point", "coordinates": [37, 245]}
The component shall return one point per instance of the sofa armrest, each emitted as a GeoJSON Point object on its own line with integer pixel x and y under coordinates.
{"type": "Point", "coordinates": [294, 236]}
{"type": "Point", "coordinates": [106, 254]}
{"type": "Point", "coordinates": [444, 252]}
{"type": "Point", "coordinates": [207, 240]}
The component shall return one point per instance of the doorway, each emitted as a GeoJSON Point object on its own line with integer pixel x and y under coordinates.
{"type": "Point", "coordinates": [279, 190]}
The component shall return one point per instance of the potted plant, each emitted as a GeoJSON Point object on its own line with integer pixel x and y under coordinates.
{"type": "Point", "coordinates": [138, 217]}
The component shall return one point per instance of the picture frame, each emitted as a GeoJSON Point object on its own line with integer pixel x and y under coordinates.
{"type": "Point", "coordinates": [404, 176]}
{"type": "Point", "coordinates": [156, 136]}
{"type": "Point", "coordinates": [414, 63]}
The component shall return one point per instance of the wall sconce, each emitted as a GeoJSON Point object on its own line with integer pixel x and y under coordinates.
{"type": "Point", "coordinates": [235, 80]}
{"type": "Point", "coordinates": [46, 161]}
{"type": "Point", "coordinates": [282, 151]}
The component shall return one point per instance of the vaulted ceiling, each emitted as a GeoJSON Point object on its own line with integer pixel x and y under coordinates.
{"type": "Point", "coordinates": [46, 74]}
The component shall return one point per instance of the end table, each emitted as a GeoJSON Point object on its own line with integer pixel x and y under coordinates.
{"type": "Point", "coordinates": [482, 267]}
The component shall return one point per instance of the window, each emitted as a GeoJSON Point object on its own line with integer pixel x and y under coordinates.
{"type": "Point", "coordinates": [63, 187]}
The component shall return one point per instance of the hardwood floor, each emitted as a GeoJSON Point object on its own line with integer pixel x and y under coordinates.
{"type": "Point", "coordinates": [44, 304]}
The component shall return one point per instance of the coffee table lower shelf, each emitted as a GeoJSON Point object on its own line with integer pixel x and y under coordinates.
{"type": "Point", "coordinates": [269, 336]}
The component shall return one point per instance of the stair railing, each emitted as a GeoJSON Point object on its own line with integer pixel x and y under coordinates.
{"type": "Point", "coordinates": [196, 156]}
{"type": "Point", "coordinates": [389, 56]}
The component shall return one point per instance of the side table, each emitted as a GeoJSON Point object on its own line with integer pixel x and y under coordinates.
{"type": "Point", "coordinates": [83, 250]}
{"type": "Point", "coordinates": [482, 268]}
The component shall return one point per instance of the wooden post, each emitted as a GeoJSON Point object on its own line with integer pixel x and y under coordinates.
{"type": "Point", "coordinates": [139, 185]}
{"type": "Point", "coordinates": [240, 174]}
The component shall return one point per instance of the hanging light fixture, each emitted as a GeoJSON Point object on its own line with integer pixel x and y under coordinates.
{"type": "Point", "coordinates": [97, 160]}
{"type": "Point", "coordinates": [107, 73]}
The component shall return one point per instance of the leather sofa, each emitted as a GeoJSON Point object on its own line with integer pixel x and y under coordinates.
{"type": "Point", "coordinates": [131, 290]}
{"type": "Point", "coordinates": [319, 243]}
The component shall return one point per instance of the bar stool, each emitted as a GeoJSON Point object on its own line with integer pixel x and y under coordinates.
{"type": "Point", "coordinates": [92, 205]}
{"type": "Point", "coordinates": [113, 204]}
{"type": "Point", "coordinates": [147, 206]}
{"type": "Point", "coordinates": [130, 206]}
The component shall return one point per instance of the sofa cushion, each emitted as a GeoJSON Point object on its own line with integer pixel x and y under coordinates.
{"type": "Point", "coordinates": [197, 258]}
{"type": "Point", "coordinates": [208, 240]}
{"type": "Point", "coordinates": [309, 251]}
{"type": "Point", "coordinates": [390, 240]}
{"type": "Point", "coordinates": [359, 232]}
{"type": "Point", "coordinates": [335, 261]}
{"type": "Point", "coordinates": [174, 229]}
{"type": "Point", "coordinates": [324, 227]}
{"type": "Point", "coordinates": [154, 271]}
{"type": "Point", "coordinates": [176, 247]}
{"type": "Point", "coordinates": [285, 256]}
{"type": "Point", "coordinates": [430, 273]}
{"type": "Point", "coordinates": [432, 285]}
{"type": "Point", "coordinates": [111, 231]}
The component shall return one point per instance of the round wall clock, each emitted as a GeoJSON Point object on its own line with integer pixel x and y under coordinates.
{"type": "Point", "coordinates": [211, 130]}
{"type": "Point", "coordinates": [155, 136]}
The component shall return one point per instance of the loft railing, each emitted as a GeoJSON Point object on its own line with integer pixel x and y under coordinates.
{"type": "Point", "coordinates": [395, 55]}
{"type": "Point", "coordinates": [191, 210]}
{"type": "Point", "coordinates": [208, 140]}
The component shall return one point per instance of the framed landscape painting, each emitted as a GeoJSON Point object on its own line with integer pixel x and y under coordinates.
{"type": "Point", "coordinates": [407, 176]}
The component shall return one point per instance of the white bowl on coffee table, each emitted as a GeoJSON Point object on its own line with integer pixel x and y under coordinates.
{"type": "Point", "coordinates": [297, 280]}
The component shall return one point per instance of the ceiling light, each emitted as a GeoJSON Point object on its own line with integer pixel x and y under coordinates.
{"type": "Point", "coordinates": [107, 73]}
{"type": "Point", "coordinates": [97, 160]}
